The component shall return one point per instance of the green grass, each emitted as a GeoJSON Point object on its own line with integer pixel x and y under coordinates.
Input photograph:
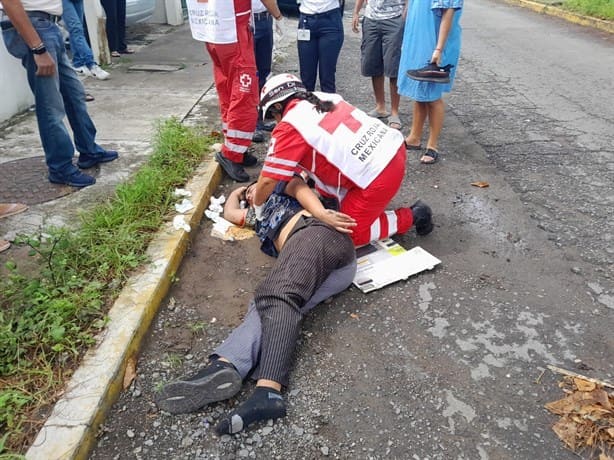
{"type": "Point", "coordinates": [50, 315]}
{"type": "Point", "coordinates": [603, 9]}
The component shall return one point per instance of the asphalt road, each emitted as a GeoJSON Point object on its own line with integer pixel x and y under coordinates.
{"type": "Point", "coordinates": [449, 364]}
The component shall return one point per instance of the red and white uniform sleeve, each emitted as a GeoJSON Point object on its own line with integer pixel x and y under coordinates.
{"type": "Point", "coordinates": [286, 150]}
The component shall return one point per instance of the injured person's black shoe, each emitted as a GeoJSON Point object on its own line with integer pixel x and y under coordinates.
{"type": "Point", "coordinates": [431, 73]}
{"type": "Point", "coordinates": [216, 382]}
{"type": "Point", "coordinates": [264, 404]}
{"type": "Point", "coordinates": [234, 170]}
{"type": "Point", "coordinates": [423, 221]}
{"type": "Point", "coordinates": [249, 159]}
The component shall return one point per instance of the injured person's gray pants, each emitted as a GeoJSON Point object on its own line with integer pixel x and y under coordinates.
{"type": "Point", "coordinates": [316, 263]}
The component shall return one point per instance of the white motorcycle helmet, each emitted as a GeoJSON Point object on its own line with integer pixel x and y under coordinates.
{"type": "Point", "coordinates": [279, 88]}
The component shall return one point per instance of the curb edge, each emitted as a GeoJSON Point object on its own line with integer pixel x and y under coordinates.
{"type": "Point", "coordinates": [601, 24]}
{"type": "Point", "coordinates": [71, 429]}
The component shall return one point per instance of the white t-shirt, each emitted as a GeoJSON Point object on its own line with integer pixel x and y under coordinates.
{"type": "Point", "coordinates": [317, 6]}
{"type": "Point", "coordinates": [48, 6]}
{"type": "Point", "coordinates": [258, 7]}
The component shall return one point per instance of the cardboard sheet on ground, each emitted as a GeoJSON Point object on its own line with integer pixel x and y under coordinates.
{"type": "Point", "coordinates": [383, 262]}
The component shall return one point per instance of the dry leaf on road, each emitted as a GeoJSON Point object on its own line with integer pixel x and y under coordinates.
{"type": "Point", "coordinates": [587, 418]}
{"type": "Point", "coordinates": [130, 372]}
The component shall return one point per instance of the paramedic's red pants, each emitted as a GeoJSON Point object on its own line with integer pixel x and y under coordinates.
{"type": "Point", "coordinates": [368, 206]}
{"type": "Point", "coordinates": [234, 72]}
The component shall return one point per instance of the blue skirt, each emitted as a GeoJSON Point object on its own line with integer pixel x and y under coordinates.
{"type": "Point", "coordinates": [419, 42]}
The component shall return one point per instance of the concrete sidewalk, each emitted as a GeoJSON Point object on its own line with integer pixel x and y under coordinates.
{"type": "Point", "coordinates": [177, 74]}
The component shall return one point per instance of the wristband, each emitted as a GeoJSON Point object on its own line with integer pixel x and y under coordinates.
{"type": "Point", "coordinates": [40, 49]}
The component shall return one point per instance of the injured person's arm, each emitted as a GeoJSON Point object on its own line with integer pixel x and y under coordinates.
{"type": "Point", "coordinates": [238, 209]}
{"type": "Point", "coordinates": [234, 210]}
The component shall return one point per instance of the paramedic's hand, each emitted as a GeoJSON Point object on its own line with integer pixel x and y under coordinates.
{"type": "Point", "coordinates": [339, 221]}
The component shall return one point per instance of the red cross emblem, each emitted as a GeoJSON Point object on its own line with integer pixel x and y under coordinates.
{"type": "Point", "coordinates": [342, 115]}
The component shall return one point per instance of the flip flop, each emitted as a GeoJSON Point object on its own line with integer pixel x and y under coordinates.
{"type": "Point", "coordinates": [115, 54]}
{"type": "Point", "coordinates": [430, 153]}
{"type": "Point", "coordinates": [127, 51]}
{"type": "Point", "coordinates": [375, 114]}
{"type": "Point", "coordinates": [412, 147]}
{"type": "Point", "coordinates": [395, 122]}
{"type": "Point", "coordinates": [89, 97]}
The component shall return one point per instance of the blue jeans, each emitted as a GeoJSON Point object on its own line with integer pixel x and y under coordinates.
{"type": "Point", "coordinates": [57, 96]}
{"type": "Point", "coordinates": [321, 51]}
{"type": "Point", "coordinates": [73, 19]}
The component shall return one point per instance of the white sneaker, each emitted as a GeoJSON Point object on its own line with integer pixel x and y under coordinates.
{"type": "Point", "coordinates": [98, 72]}
{"type": "Point", "coordinates": [83, 70]}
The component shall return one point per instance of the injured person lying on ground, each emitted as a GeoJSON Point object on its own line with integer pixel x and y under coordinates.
{"type": "Point", "coordinates": [314, 262]}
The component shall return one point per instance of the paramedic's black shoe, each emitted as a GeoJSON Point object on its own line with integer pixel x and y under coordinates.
{"type": "Point", "coordinates": [216, 382]}
{"type": "Point", "coordinates": [431, 73]}
{"type": "Point", "coordinates": [258, 136]}
{"type": "Point", "coordinates": [422, 218]}
{"type": "Point", "coordinates": [266, 126]}
{"type": "Point", "coordinates": [249, 159]}
{"type": "Point", "coordinates": [234, 170]}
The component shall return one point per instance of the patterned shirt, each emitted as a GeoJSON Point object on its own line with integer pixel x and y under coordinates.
{"type": "Point", "coordinates": [278, 209]}
{"type": "Point", "coordinates": [446, 4]}
{"type": "Point", "coordinates": [384, 9]}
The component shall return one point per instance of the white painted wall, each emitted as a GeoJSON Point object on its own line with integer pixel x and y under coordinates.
{"type": "Point", "coordinates": [168, 12]}
{"type": "Point", "coordinates": [15, 94]}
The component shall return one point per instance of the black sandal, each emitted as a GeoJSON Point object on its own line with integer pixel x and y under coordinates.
{"type": "Point", "coordinates": [430, 153]}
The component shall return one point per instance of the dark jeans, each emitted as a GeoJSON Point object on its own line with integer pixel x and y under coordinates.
{"type": "Point", "coordinates": [263, 49]}
{"type": "Point", "coordinates": [116, 24]}
{"type": "Point", "coordinates": [321, 51]}
{"type": "Point", "coordinates": [263, 46]}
